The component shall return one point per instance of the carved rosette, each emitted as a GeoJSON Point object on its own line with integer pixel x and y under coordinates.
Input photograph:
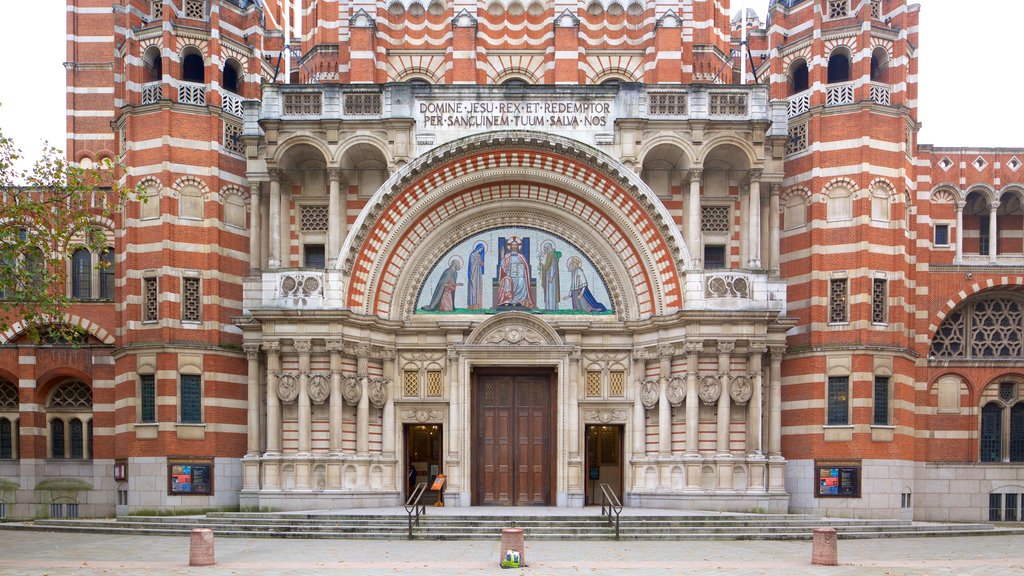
{"type": "Point", "coordinates": [378, 392]}
{"type": "Point", "coordinates": [287, 388]}
{"type": "Point", "coordinates": [515, 335]}
{"type": "Point", "coordinates": [319, 388]}
{"type": "Point", "coordinates": [422, 415]}
{"type": "Point", "coordinates": [741, 389]}
{"type": "Point", "coordinates": [351, 391]}
{"type": "Point", "coordinates": [676, 390]}
{"type": "Point", "coordinates": [605, 415]}
{"type": "Point", "coordinates": [709, 390]}
{"type": "Point", "coordinates": [649, 392]}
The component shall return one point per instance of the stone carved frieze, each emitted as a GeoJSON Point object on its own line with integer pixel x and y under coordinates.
{"type": "Point", "coordinates": [741, 389]}
{"type": "Point", "coordinates": [300, 286]}
{"type": "Point", "coordinates": [726, 286]}
{"type": "Point", "coordinates": [287, 388]}
{"type": "Point", "coordinates": [515, 336]}
{"type": "Point", "coordinates": [605, 415]}
{"type": "Point", "coordinates": [377, 390]}
{"type": "Point", "coordinates": [422, 415]}
{"type": "Point", "coordinates": [649, 392]}
{"type": "Point", "coordinates": [676, 390]}
{"type": "Point", "coordinates": [352, 389]}
{"type": "Point", "coordinates": [319, 388]}
{"type": "Point", "coordinates": [709, 390]}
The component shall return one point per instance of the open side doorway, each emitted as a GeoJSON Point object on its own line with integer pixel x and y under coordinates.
{"type": "Point", "coordinates": [423, 458]}
{"type": "Point", "coordinates": [604, 461]}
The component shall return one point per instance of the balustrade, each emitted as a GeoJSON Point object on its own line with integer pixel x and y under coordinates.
{"type": "Point", "coordinates": [192, 93]}
{"type": "Point", "coordinates": [839, 94]}
{"type": "Point", "coordinates": [881, 94]}
{"type": "Point", "coordinates": [231, 103]}
{"type": "Point", "coordinates": [799, 104]}
{"type": "Point", "coordinates": [152, 92]}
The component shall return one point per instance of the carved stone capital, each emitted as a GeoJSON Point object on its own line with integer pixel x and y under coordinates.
{"type": "Point", "coordinates": [335, 346]}
{"type": "Point", "coordinates": [666, 351]}
{"type": "Point", "coordinates": [726, 347]}
{"type": "Point", "coordinates": [776, 189]}
{"type": "Point", "coordinates": [960, 205]}
{"type": "Point", "coordinates": [254, 189]}
{"type": "Point", "coordinates": [275, 174]}
{"type": "Point", "coordinates": [757, 348]}
{"type": "Point", "coordinates": [335, 175]}
{"type": "Point", "coordinates": [302, 346]}
{"type": "Point", "coordinates": [777, 352]}
{"type": "Point", "coordinates": [272, 347]}
{"type": "Point", "coordinates": [694, 347]}
{"type": "Point", "coordinates": [993, 206]}
{"type": "Point", "coordinates": [252, 351]}
{"type": "Point", "coordinates": [755, 175]}
{"type": "Point", "coordinates": [695, 174]}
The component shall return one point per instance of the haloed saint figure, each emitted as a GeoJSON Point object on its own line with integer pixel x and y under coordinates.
{"type": "Point", "coordinates": [514, 276]}
{"type": "Point", "coordinates": [443, 299]}
{"type": "Point", "coordinates": [579, 291]}
{"type": "Point", "coordinates": [475, 281]}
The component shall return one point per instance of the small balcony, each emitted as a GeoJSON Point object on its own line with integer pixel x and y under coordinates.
{"type": "Point", "coordinates": [231, 103]}
{"type": "Point", "coordinates": [152, 92]}
{"type": "Point", "coordinates": [192, 93]}
{"type": "Point", "coordinates": [839, 94]}
{"type": "Point", "coordinates": [294, 289]}
{"type": "Point", "coordinates": [733, 290]}
{"type": "Point", "coordinates": [881, 94]}
{"type": "Point", "coordinates": [799, 104]}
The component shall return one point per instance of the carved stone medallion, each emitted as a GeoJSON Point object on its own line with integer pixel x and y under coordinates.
{"type": "Point", "coordinates": [741, 389]}
{"type": "Point", "coordinates": [287, 388]}
{"type": "Point", "coordinates": [676, 391]}
{"type": "Point", "coordinates": [378, 392]}
{"type": "Point", "coordinates": [351, 390]}
{"type": "Point", "coordinates": [649, 392]}
{"type": "Point", "coordinates": [515, 335]}
{"type": "Point", "coordinates": [319, 388]}
{"type": "Point", "coordinates": [605, 415]}
{"type": "Point", "coordinates": [422, 415]}
{"type": "Point", "coordinates": [709, 390]}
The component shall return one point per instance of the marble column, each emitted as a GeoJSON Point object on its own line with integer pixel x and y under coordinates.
{"type": "Point", "coordinates": [754, 415]}
{"type": "Point", "coordinates": [693, 350]}
{"type": "Point", "coordinates": [724, 401]}
{"type": "Point", "coordinates": [775, 404]}
{"type": "Point", "coordinates": [285, 224]}
{"type": "Point", "coordinates": [274, 222]}
{"type": "Point", "coordinates": [305, 408]}
{"type": "Point", "coordinates": [774, 236]}
{"type": "Point", "coordinates": [334, 216]}
{"type": "Point", "coordinates": [993, 232]}
{"type": "Point", "coordinates": [363, 408]}
{"type": "Point", "coordinates": [454, 404]}
{"type": "Point", "coordinates": [960, 204]}
{"type": "Point", "coordinates": [273, 350]}
{"type": "Point", "coordinates": [639, 412]}
{"type": "Point", "coordinates": [252, 353]}
{"type": "Point", "coordinates": [754, 221]}
{"type": "Point", "coordinates": [573, 433]}
{"type": "Point", "coordinates": [388, 413]}
{"type": "Point", "coordinates": [255, 229]}
{"type": "Point", "coordinates": [693, 209]}
{"type": "Point", "coordinates": [337, 403]}
{"type": "Point", "coordinates": [664, 408]}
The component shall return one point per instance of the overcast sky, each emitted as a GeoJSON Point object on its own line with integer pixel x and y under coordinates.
{"type": "Point", "coordinates": [970, 74]}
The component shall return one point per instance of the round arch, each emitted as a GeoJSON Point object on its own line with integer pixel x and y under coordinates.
{"type": "Point", "coordinates": [722, 142]}
{"type": "Point", "coordinates": [93, 329]}
{"type": "Point", "coordinates": [297, 143]}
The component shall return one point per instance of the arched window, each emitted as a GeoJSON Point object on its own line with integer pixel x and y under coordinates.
{"type": "Point", "coordinates": [77, 439]}
{"type": "Point", "coordinates": [152, 65]}
{"type": "Point", "coordinates": [880, 205]}
{"type": "Point", "coordinates": [6, 439]}
{"type": "Point", "coordinates": [879, 64]}
{"type": "Point", "coordinates": [795, 212]}
{"type": "Point", "coordinates": [1017, 432]}
{"type": "Point", "coordinates": [149, 203]}
{"type": "Point", "coordinates": [8, 420]}
{"type": "Point", "coordinates": [991, 432]}
{"type": "Point", "coordinates": [982, 328]}
{"type": "Point", "coordinates": [799, 77]}
{"type": "Point", "coordinates": [57, 438]}
{"type": "Point", "coordinates": [192, 68]}
{"type": "Point", "coordinates": [839, 66]}
{"type": "Point", "coordinates": [107, 274]}
{"type": "Point", "coordinates": [81, 274]}
{"type": "Point", "coordinates": [70, 413]}
{"type": "Point", "coordinates": [191, 203]}
{"type": "Point", "coordinates": [232, 76]}
{"type": "Point", "coordinates": [839, 205]}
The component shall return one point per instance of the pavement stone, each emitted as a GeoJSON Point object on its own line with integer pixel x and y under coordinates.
{"type": "Point", "coordinates": [35, 553]}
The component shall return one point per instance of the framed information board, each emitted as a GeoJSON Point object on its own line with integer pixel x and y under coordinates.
{"type": "Point", "coordinates": [837, 479]}
{"type": "Point", "coordinates": [190, 476]}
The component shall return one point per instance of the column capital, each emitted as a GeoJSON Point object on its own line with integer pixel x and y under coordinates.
{"type": "Point", "coordinates": [255, 189]}
{"type": "Point", "coordinates": [726, 347]}
{"type": "Point", "coordinates": [272, 347]}
{"type": "Point", "coordinates": [993, 206]}
{"type": "Point", "coordinates": [335, 346]}
{"type": "Point", "coordinates": [757, 348]}
{"type": "Point", "coordinates": [776, 189]}
{"type": "Point", "coordinates": [696, 174]}
{"type": "Point", "coordinates": [694, 348]}
{"type": "Point", "coordinates": [252, 351]}
{"type": "Point", "coordinates": [275, 174]}
{"type": "Point", "coordinates": [666, 351]}
{"type": "Point", "coordinates": [755, 175]}
{"type": "Point", "coordinates": [335, 175]}
{"type": "Point", "coordinates": [302, 346]}
{"type": "Point", "coordinates": [959, 205]}
{"type": "Point", "coordinates": [777, 352]}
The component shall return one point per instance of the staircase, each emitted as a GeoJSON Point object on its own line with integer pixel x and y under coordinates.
{"type": "Point", "coordinates": [454, 525]}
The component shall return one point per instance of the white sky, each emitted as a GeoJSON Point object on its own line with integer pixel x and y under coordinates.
{"type": "Point", "coordinates": [970, 74]}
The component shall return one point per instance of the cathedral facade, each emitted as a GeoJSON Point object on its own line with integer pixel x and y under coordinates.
{"type": "Point", "coordinates": [551, 252]}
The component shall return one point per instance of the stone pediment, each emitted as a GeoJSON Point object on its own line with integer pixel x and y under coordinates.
{"type": "Point", "coordinates": [514, 329]}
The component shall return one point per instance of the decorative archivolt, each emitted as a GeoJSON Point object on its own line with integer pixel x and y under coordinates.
{"type": "Point", "coordinates": [798, 52]}
{"type": "Point", "coordinates": [798, 193]}
{"type": "Point", "coordinates": [190, 182]}
{"type": "Point", "coordinates": [839, 186]}
{"type": "Point", "coordinates": [987, 327]}
{"type": "Point", "coordinates": [845, 40]}
{"type": "Point", "coordinates": [945, 195]}
{"type": "Point", "coordinates": [201, 43]}
{"type": "Point", "coordinates": [605, 73]}
{"type": "Point", "coordinates": [883, 185]}
{"type": "Point", "coordinates": [145, 43]}
{"type": "Point", "coordinates": [229, 51]}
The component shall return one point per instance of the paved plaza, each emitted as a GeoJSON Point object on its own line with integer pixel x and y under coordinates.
{"type": "Point", "coordinates": [35, 553]}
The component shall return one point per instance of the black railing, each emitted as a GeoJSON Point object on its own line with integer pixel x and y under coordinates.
{"type": "Point", "coordinates": [611, 507]}
{"type": "Point", "coordinates": [414, 507]}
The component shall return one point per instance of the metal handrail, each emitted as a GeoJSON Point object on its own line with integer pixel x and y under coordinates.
{"type": "Point", "coordinates": [611, 505]}
{"type": "Point", "coordinates": [413, 506]}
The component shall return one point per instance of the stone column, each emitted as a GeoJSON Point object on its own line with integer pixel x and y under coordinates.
{"type": "Point", "coordinates": [754, 415]}
{"type": "Point", "coordinates": [724, 401]}
{"type": "Point", "coordinates": [87, 454]}
{"type": "Point", "coordinates": [639, 413]}
{"type": "Point", "coordinates": [273, 350]}
{"type": "Point", "coordinates": [334, 216]}
{"type": "Point", "coordinates": [255, 229]}
{"type": "Point", "coordinates": [453, 401]}
{"type": "Point", "coordinates": [775, 404]}
{"type": "Point", "coordinates": [274, 221]}
{"type": "Point", "coordinates": [664, 408]}
{"type": "Point", "coordinates": [754, 221]}
{"type": "Point", "coordinates": [960, 204]}
{"type": "Point", "coordinates": [335, 347]}
{"type": "Point", "coordinates": [573, 433]}
{"type": "Point", "coordinates": [693, 350]}
{"type": "Point", "coordinates": [305, 408]}
{"type": "Point", "coordinates": [774, 237]}
{"type": "Point", "coordinates": [993, 232]}
{"type": "Point", "coordinates": [363, 408]}
{"type": "Point", "coordinates": [285, 224]}
{"type": "Point", "coordinates": [693, 207]}
{"type": "Point", "coordinates": [388, 413]}
{"type": "Point", "coordinates": [252, 353]}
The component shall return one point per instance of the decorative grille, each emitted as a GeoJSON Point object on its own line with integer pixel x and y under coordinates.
{"type": "Point", "coordinates": [192, 93]}
{"type": "Point", "coordinates": [152, 92]}
{"type": "Point", "coordinates": [56, 510]}
{"type": "Point", "coordinates": [997, 328]}
{"type": "Point", "coordinates": [191, 399]}
{"type": "Point", "coordinates": [231, 103]}
{"type": "Point", "coordinates": [190, 300]}
{"type": "Point", "coordinates": [313, 218]}
{"type": "Point", "coordinates": [728, 104]}
{"type": "Point", "coordinates": [195, 9]}
{"type": "Point", "coordinates": [233, 138]}
{"type": "Point", "coordinates": [878, 300]}
{"type": "Point", "coordinates": [839, 94]}
{"type": "Point", "coordinates": [881, 94]}
{"type": "Point", "coordinates": [876, 9]}
{"type": "Point", "coordinates": [797, 138]}
{"type": "Point", "coordinates": [1007, 392]}
{"type": "Point", "coordinates": [714, 219]}
{"type": "Point", "coordinates": [838, 400]}
{"type": "Point", "coordinates": [147, 390]}
{"type": "Point", "coordinates": [837, 305]}
{"type": "Point", "coordinates": [8, 396]}
{"type": "Point", "coordinates": [800, 104]}
{"type": "Point", "coordinates": [150, 308]}
{"type": "Point", "coordinates": [71, 395]}
{"type": "Point", "coordinates": [71, 510]}
{"type": "Point", "coordinates": [434, 383]}
{"type": "Point", "coordinates": [303, 103]}
{"type": "Point", "coordinates": [667, 104]}
{"type": "Point", "coordinates": [410, 383]}
{"type": "Point", "coordinates": [363, 103]}
{"type": "Point", "coordinates": [616, 383]}
{"type": "Point", "coordinates": [838, 8]}
{"type": "Point", "coordinates": [3, 510]}
{"type": "Point", "coordinates": [881, 407]}
{"type": "Point", "coordinates": [156, 9]}
{"type": "Point", "coordinates": [593, 384]}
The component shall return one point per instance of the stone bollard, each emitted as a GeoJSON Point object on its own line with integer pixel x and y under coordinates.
{"type": "Point", "coordinates": [201, 548]}
{"type": "Point", "coordinates": [513, 539]}
{"type": "Point", "coordinates": [824, 552]}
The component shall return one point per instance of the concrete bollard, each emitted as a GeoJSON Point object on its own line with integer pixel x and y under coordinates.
{"type": "Point", "coordinates": [201, 547]}
{"type": "Point", "coordinates": [824, 550]}
{"type": "Point", "coordinates": [513, 539]}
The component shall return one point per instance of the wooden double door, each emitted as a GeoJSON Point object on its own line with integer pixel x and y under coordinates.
{"type": "Point", "coordinates": [513, 439]}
